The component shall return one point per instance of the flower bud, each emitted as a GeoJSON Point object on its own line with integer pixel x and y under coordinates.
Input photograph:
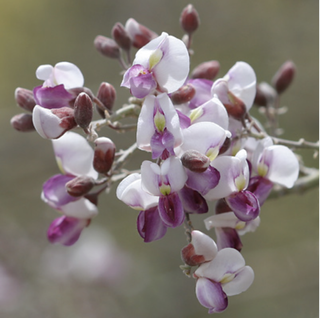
{"type": "Point", "coordinates": [107, 47]}
{"type": "Point", "coordinates": [79, 186]}
{"type": "Point", "coordinates": [139, 34]}
{"type": "Point", "coordinates": [189, 19]}
{"type": "Point", "coordinates": [22, 122]}
{"type": "Point", "coordinates": [121, 36]}
{"type": "Point", "coordinates": [83, 111]}
{"type": "Point", "coordinates": [225, 146]}
{"type": "Point", "coordinates": [260, 99]}
{"type": "Point", "coordinates": [107, 95]}
{"type": "Point", "coordinates": [25, 99]}
{"type": "Point", "coordinates": [104, 152]}
{"type": "Point", "coordinates": [76, 91]}
{"type": "Point", "coordinates": [195, 161]}
{"type": "Point", "coordinates": [284, 76]}
{"type": "Point", "coordinates": [206, 70]}
{"type": "Point", "coordinates": [183, 95]}
{"type": "Point", "coordinates": [53, 123]}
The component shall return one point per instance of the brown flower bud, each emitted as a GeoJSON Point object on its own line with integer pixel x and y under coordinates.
{"type": "Point", "coordinates": [222, 206]}
{"type": "Point", "coordinates": [107, 47]}
{"type": "Point", "coordinates": [183, 95]}
{"type": "Point", "coordinates": [76, 91]}
{"type": "Point", "coordinates": [22, 122]}
{"type": "Point", "coordinates": [235, 106]}
{"type": "Point", "coordinates": [189, 19]}
{"type": "Point", "coordinates": [104, 153]}
{"type": "Point", "coordinates": [107, 95]}
{"type": "Point", "coordinates": [206, 70]}
{"type": "Point", "coordinates": [25, 99]}
{"type": "Point", "coordinates": [83, 110]}
{"type": "Point", "coordinates": [195, 161]}
{"type": "Point", "coordinates": [121, 36]}
{"type": "Point", "coordinates": [260, 99]}
{"type": "Point", "coordinates": [284, 76]}
{"type": "Point", "coordinates": [139, 34]}
{"type": "Point", "coordinates": [80, 186]}
{"type": "Point", "coordinates": [225, 146]}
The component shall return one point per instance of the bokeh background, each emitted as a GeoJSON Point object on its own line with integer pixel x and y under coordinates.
{"type": "Point", "coordinates": [110, 272]}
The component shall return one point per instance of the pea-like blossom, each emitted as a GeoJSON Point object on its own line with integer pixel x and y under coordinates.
{"type": "Point", "coordinates": [53, 93]}
{"type": "Point", "coordinates": [165, 181]}
{"type": "Point", "coordinates": [236, 89]}
{"type": "Point", "coordinates": [158, 127]}
{"type": "Point", "coordinates": [149, 224]}
{"type": "Point", "coordinates": [162, 65]}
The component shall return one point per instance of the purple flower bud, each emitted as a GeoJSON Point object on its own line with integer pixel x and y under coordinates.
{"type": "Point", "coordinates": [195, 161]}
{"type": "Point", "coordinates": [103, 154]}
{"type": "Point", "coordinates": [183, 95]}
{"type": "Point", "coordinates": [107, 47]}
{"type": "Point", "coordinates": [189, 19]}
{"type": "Point", "coordinates": [121, 36]}
{"type": "Point", "coordinates": [284, 76]}
{"type": "Point", "coordinates": [79, 186]}
{"type": "Point", "coordinates": [66, 230]}
{"type": "Point", "coordinates": [260, 99]}
{"type": "Point", "coordinates": [83, 111]}
{"type": "Point", "coordinates": [206, 70]}
{"type": "Point", "coordinates": [139, 34]}
{"type": "Point", "coordinates": [107, 95]}
{"type": "Point", "coordinates": [22, 122]}
{"type": "Point", "coordinates": [25, 99]}
{"type": "Point", "coordinates": [76, 91]}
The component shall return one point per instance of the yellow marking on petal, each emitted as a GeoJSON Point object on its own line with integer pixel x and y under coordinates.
{"type": "Point", "coordinates": [240, 182]}
{"type": "Point", "coordinates": [195, 114]}
{"type": "Point", "coordinates": [59, 163]}
{"type": "Point", "coordinates": [159, 121]}
{"type": "Point", "coordinates": [240, 225]}
{"type": "Point", "coordinates": [212, 153]}
{"type": "Point", "coordinates": [262, 169]}
{"type": "Point", "coordinates": [155, 58]}
{"type": "Point", "coordinates": [227, 278]}
{"type": "Point", "coordinates": [165, 189]}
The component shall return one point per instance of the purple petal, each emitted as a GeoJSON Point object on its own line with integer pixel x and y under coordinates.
{"type": "Point", "coordinates": [193, 201]}
{"type": "Point", "coordinates": [211, 295]}
{"type": "Point", "coordinates": [228, 237]}
{"type": "Point", "coordinates": [184, 120]}
{"type": "Point", "coordinates": [55, 193]}
{"type": "Point", "coordinates": [244, 204]}
{"type": "Point", "coordinates": [66, 230]}
{"type": "Point", "coordinates": [150, 226]}
{"type": "Point", "coordinates": [203, 92]}
{"type": "Point", "coordinates": [142, 85]}
{"type": "Point", "coordinates": [161, 142]}
{"type": "Point", "coordinates": [205, 181]}
{"type": "Point", "coordinates": [260, 187]}
{"type": "Point", "coordinates": [171, 210]}
{"type": "Point", "coordinates": [52, 97]}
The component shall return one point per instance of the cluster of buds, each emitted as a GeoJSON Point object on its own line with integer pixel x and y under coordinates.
{"type": "Point", "coordinates": [205, 149]}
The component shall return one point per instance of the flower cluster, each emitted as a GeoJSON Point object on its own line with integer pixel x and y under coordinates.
{"type": "Point", "coordinates": [206, 149]}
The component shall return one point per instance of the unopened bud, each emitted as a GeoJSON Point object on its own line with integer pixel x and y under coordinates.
{"type": "Point", "coordinates": [206, 70]}
{"type": "Point", "coordinates": [76, 91]}
{"type": "Point", "coordinates": [25, 99]}
{"type": "Point", "coordinates": [284, 76]}
{"type": "Point", "coordinates": [222, 206]}
{"type": "Point", "coordinates": [265, 94]}
{"type": "Point", "coordinates": [260, 99]}
{"type": "Point", "coordinates": [53, 123]}
{"type": "Point", "coordinates": [183, 95]}
{"type": "Point", "coordinates": [83, 110]}
{"type": "Point", "coordinates": [104, 153]}
{"type": "Point", "coordinates": [107, 95]}
{"type": "Point", "coordinates": [195, 161]}
{"type": "Point", "coordinates": [139, 34]}
{"type": "Point", "coordinates": [80, 186]}
{"type": "Point", "coordinates": [189, 19]}
{"type": "Point", "coordinates": [121, 36]}
{"type": "Point", "coordinates": [22, 122]}
{"type": "Point", "coordinates": [225, 146]}
{"type": "Point", "coordinates": [107, 47]}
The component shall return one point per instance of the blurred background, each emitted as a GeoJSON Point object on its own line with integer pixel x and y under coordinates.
{"type": "Point", "coordinates": [110, 272]}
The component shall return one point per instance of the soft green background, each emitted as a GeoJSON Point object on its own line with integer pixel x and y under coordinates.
{"type": "Point", "coordinates": [111, 272]}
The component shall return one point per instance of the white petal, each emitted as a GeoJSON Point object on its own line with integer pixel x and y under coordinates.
{"type": "Point", "coordinates": [81, 209]}
{"type": "Point", "coordinates": [228, 261]}
{"type": "Point", "coordinates": [44, 72]}
{"type": "Point", "coordinates": [242, 281]}
{"type": "Point", "coordinates": [68, 74]}
{"type": "Point", "coordinates": [204, 245]}
{"type": "Point", "coordinates": [227, 219]}
{"type": "Point", "coordinates": [74, 155]}
{"type": "Point", "coordinates": [150, 177]}
{"type": "Point", "coordinates": [176, 174]}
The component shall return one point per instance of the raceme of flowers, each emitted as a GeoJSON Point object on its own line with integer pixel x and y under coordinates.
{"type": "Point", "coordinates": [194, 129]}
